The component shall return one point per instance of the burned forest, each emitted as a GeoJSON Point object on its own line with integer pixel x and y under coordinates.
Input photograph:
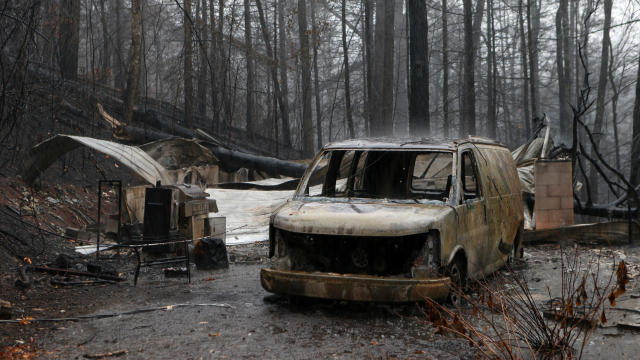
{"type": "Point", "coordinates": [311, 179]}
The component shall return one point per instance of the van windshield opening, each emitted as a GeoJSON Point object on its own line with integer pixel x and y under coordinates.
{"type": "Point", "coordinates": [380, 174]}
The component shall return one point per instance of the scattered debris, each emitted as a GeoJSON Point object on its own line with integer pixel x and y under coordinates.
{"type": "Point", "coordinates": [80, 283]}
{"type": "Point", "coordinates": [152, 161]}
{"type": "Point", "coordinates": [6, 310]}
{"type": "Point", "coordinates": [77, 273]}
{"type": "Point", "coordinates": [172, 272]}
{"type": "Point", "coordinates": [110, 315]}
{"type": "Point", "coordinates": [23, 281]}
{"type": "Point", "coordinates": [91, 249]}
{"type": "Point", "coordinates": [210, 254]}
{"type": "Point", "coordinates": [607, 233]}
{"type": "Point", "coordinates": [107, 354]}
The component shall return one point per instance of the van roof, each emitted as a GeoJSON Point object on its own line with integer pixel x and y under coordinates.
{"type": "Point", "coordinates": [409, 143]}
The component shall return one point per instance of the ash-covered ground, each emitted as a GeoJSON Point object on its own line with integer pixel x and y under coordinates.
{"type": "Point", "coordinates": [227, 314]}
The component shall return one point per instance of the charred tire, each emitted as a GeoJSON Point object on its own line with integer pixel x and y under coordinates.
{"type": "Point", "coordinates": [457, 272]}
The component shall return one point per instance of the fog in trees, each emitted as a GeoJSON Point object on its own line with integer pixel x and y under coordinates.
{"type": "Point", "coordinates": [285, 77]}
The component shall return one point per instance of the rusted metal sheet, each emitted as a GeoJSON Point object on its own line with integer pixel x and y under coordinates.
{"type": "Point", "coordinates": [475, 229]}
{"type": "Point", "coordinates": [45, 153]}
{"type": "Point", "coordinates": [354, 287]}
{"type": "Point", "coordinates": [408, 144]}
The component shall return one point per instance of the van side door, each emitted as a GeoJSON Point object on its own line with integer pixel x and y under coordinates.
{"type": "Point", "coordinates": [492, 170]}
{"type": "Point", "coordinates": [473, 228]}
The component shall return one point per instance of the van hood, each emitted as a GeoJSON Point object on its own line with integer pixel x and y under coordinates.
{"type": "Point", "coordinates": [359, 219]}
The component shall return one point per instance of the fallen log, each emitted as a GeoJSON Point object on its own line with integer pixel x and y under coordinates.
{"type": "Point", "coordinates": [156, 120]}
{"type": "Point", "coordinates": [135, 135]}
{"type": "Point", "coordinates": [52, 270]}
{"type": "Point", "coordinates": [605, 211]}
{"type": "Point", "coordinates": [615, 232]}
{"type": "Point", "coordinates": [233, 160]}
{"type": "Point", "coordinates": [230, 160]}
{"type": "Point", "coordinates": [81, 283]}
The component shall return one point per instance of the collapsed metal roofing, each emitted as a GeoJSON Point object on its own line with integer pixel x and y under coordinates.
{"type": "Point", "coordinates": [408, 143]}
{"type": "Point", "coordinates": [47, 152]}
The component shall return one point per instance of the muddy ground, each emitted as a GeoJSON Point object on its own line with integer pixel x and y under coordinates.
{"type": "Point", "coordinates": [250, 323]}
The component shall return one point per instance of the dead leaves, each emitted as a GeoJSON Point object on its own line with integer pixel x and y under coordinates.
{"type": "Point", "coordinates": [24, 351]}
{"type": "Point", "coordinates": [612, 298]}
{"type": "Point", "coordinates": [444, 326]}
{"type": "Point", "coordinates": [603, 317]}
{"type": "Point", "coordinates": [622, 279]}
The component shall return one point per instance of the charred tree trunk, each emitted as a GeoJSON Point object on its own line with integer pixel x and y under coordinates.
{"type": "Point", "coordinates": [286, 130]}
{"type": "Point", "coordinates": [316, 82]}
{"type": "Point", "coordinates": [134, 59]}
{"type": "Point", "coordinates": [445, 71]}
{"type": "Point", "coordinates": [203, 40]}
{"type": "Point", "coordinates": [566, 106]}
{"type": "Point", "coordinates": [382, 88]}
{"type": "Point", "coordinates": [562, 74]}
{"type": "Point", "coordinates": [468, 92]}
{"type": "Point", "coordinates": [284, 107]}
{"type": "Point", "coordinates": [347, 80]}
{"type": "Point", "coordinates": [119, 63]}
{"type": "Point", "coordinates": [525, 72]}
{"type": "Point", "coordinates": [105, 62]}
{"type": "Point", "coordinates": [602, 90]}
{"type": "Point", "coordinates": [419, 123]}
{"type": "Point", "coordinates": [224, 69]}
{"type": "Point", "coordinates": [69, 39]}
{"type": "Point", "coordinates": [214, 66]}
{"type": "Point", "coordinates": [307, 124]}
{"type": "Point", "coordinates": [491, 73]}
{"type": "Point", "coordinates": [188, 66]}
{"type": "Point", "coordinates": [368, 50]}
{"type": "Point", "coordinates": [535, 38]}
{"type": "Point", "coordinates": [532, 67]}
{"type": "Point", "coordinates": [614, 108]}
{"type": "Point", "coordinates": [635, 142]}
{"type": "Point", "coordinates": [250, 70]}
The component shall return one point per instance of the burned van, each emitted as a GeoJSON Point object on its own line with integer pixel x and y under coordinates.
{"type": "Point", "coordinates": [394, 221]}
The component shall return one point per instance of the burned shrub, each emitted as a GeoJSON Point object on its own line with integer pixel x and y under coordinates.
{"type": "Point", "coordinates": [504, 321]}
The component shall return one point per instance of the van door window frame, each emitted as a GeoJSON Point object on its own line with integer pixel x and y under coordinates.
{"type": "Point", "coordinates": [474, 166]}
